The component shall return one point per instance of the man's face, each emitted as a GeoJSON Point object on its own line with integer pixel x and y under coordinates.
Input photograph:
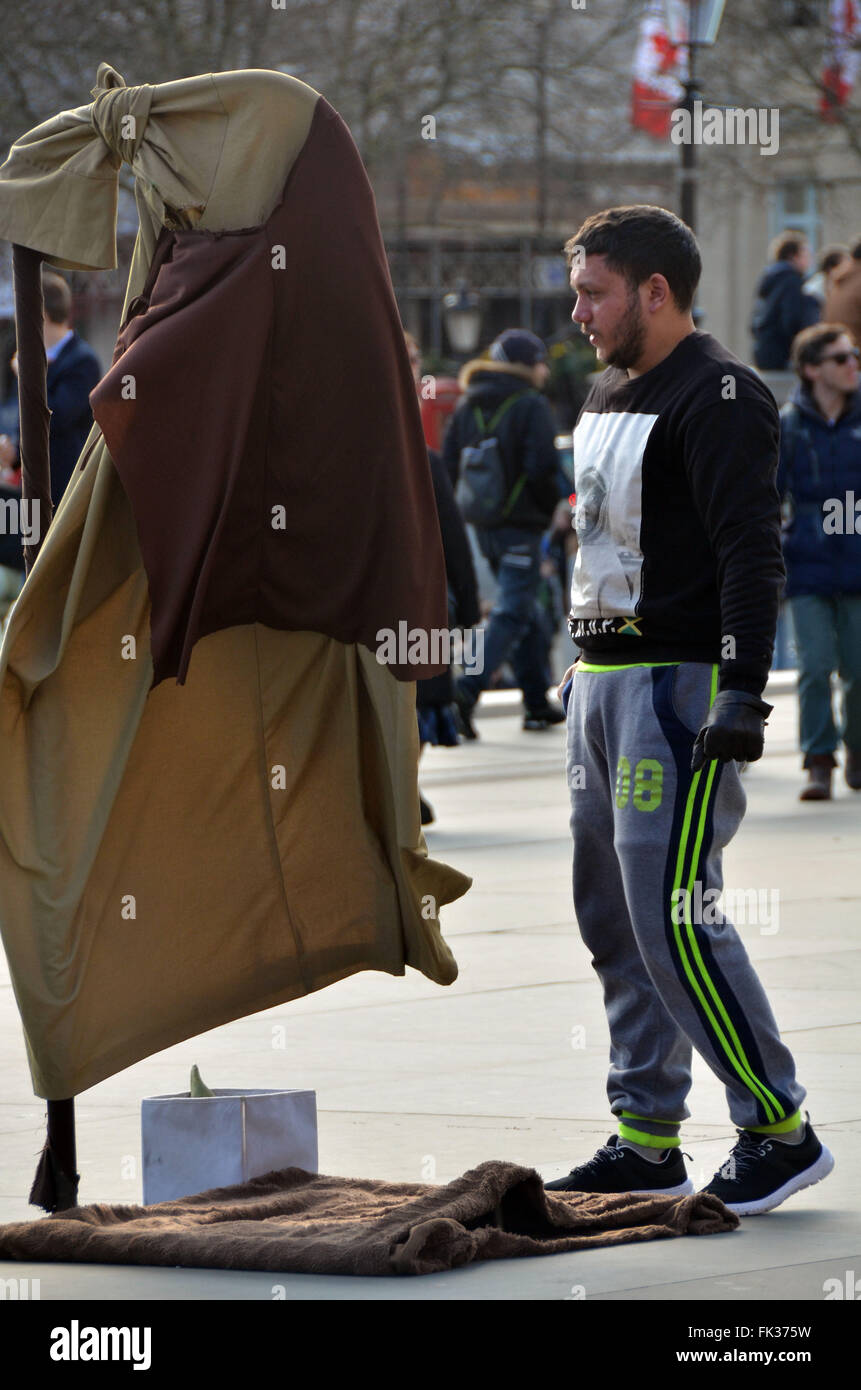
{"type": "Point", "coordinates": [609, 313]}
{"type": "Point", "coordinates": [802, 259]}
{"type": "Point", "coordinates": [838, 367]}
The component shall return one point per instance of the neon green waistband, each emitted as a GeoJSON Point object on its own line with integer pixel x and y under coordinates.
{"type": "Point", "coordinates": [623, 666]}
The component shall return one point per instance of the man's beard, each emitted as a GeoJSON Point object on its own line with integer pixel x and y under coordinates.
{"type": "Point", "coordinates": [629, 348]}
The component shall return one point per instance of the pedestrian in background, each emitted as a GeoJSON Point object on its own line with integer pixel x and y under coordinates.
{"type": "Point", "coordinates": [820, 468]}
{"type": "Point", "coordinates": [73, 371]}
{"type": "Point", "coordinates": [781, 308]}
{"type": "Point", "coordinates": [502, 401]}
{"type": "Point", "coordinates": [435, 696]}
{"type": "Point", "coordinates": [819, 283]}
{"type": "Point", "coordinates": [843, 296]}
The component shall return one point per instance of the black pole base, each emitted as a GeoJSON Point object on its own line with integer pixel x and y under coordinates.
{"type": "Point", "coordinates": [55, 1186]}
{"type": "Point", "coordinates": [53, 1189]}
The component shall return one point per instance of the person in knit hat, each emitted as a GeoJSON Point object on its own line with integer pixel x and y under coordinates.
{"type": "Point", "coordinates": [502, 399]}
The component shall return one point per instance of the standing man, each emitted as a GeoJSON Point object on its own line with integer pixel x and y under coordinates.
{"type": "Point", "coordinates": [73, 371]}
{"type": "Point", "coordinates": [674, 606]}
{"type": "Point", "coordinates": [820, 466]}
{"type": "Point", "coordinates": [782, 308]}
{"type": "Point", "coordinates": [502, 401]}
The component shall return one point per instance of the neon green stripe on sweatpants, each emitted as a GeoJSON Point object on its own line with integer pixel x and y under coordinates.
{"type": "Point", "coordinates": [691, 957]}
{"type": "Point", "coordinates": [662, 1134]}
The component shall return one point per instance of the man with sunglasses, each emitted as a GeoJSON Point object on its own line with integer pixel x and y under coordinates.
{"type": "Point", "coordinates": [819, 480]}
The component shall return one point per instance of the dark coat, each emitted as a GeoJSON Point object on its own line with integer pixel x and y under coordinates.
{"type": "Point", "coordinates": [460, 572]}
{"type": "Point", "coordinates": [819, 461]}
{"type": "Point", "coordinates": [526, 434]}
{"type": "Point", "coordinates": [781, 310]}
{"type": "Point", "coordinates": [71, 377]}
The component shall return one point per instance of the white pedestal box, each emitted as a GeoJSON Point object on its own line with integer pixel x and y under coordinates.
{"type": "Point", "coordinates": [191, 1144]}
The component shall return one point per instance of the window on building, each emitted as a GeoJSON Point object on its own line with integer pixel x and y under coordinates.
{"type": "Point", "coordinates": [795, 204]}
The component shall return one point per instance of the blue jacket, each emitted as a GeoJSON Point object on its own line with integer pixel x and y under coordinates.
{"type": "Point", "coordinates": [781, 310]}
{"type": "Point", "coordinates": [820, 463]}
{"type": "Point", "coordinates": [71, 377]}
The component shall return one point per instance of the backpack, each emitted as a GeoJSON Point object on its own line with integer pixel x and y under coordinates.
{"type": "Point", "coordinates": [481, 492]}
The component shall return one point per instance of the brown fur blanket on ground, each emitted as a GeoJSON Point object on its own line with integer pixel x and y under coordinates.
{"type": "Point", "coordinates": [304, 1223]}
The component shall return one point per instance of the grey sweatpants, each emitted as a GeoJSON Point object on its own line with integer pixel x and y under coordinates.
{"type": "Point", "coordinates": [646, 832]}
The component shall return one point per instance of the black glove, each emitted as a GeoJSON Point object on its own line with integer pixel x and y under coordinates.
{"type": "Point", "coordinates": [734, 728]}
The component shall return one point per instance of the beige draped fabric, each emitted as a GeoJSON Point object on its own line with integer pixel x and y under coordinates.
{"type": "Point", "coordinates": [174, 858]}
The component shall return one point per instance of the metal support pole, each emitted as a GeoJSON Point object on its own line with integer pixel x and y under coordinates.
{"type": "Point", "coordinates": [526, 283]}
{"type": "Point", "coordinates": [688, 191]}
{"type": "Point", "coordinates": [436, 297]}
{"type": "Point", "coordinates": [55, 1186]}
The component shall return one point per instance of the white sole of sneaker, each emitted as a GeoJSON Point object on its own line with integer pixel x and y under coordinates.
{"type": "Point", "coordinates": [815, 1173]}
{"type": "Point", "coordinates": [682, 1190]}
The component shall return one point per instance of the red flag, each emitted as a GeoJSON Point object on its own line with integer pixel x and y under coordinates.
{"type": "Point", "coordinates": [842, 54]}
{"type": "Point", "coordinates": [658, 65]}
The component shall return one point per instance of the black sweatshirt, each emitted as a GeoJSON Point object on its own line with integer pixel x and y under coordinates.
{"type": "Point", "coordinates": [678, 517]}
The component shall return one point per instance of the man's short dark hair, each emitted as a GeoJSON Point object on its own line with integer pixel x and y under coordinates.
{"type": "Point", "coordinates": [640, 241]}
{"type": "Point", "coordinates": [787, 245]}
{"type": "Point", "coordinates": [808, 346]}
{"type": "Point", "coordinates": [830, 256]}
{"type": "Point", "coordinates": [57, 296]}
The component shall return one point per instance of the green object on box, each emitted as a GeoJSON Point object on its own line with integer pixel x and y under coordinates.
{"type": "Point", "coordinates": [197, 1087]}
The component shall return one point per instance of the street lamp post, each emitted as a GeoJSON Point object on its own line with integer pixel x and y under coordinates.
{"type": "Point", "coordinates": [462, 316]}
{"type": "Point", "coordinates": [691, 24]}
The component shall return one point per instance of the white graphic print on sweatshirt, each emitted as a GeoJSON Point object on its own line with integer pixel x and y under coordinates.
{"type": "Point", "coordinates": [608, 477]}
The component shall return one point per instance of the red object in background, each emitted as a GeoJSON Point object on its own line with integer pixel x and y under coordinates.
{"type": "Point", "coordinates": [656, 88]}
{"type": "Point", "coordinates": [436, 411]}
{"type": "Point", "coordinates": [842, 57]}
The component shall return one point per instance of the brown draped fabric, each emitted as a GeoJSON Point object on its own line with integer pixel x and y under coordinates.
{"type": "Point", "coordinates": [275, 355]}
{"type": "Point", "coordinates": [176, 855]}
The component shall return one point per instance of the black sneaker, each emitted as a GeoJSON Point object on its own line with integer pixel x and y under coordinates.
{"type": "Point", "coordinates": [616, 1168]}
{"type": "Point", "coordinates": [543, 716]}
{"type": "Point", "coordinates": [761, 1172]}
{"type": "Point", "coordinates": [427, 812]}
{"type": "Point", "coordinates": [464, 707]}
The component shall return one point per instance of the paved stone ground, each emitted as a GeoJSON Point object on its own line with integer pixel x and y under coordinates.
{"type": "Point", "coordinates": [417, 1082]}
